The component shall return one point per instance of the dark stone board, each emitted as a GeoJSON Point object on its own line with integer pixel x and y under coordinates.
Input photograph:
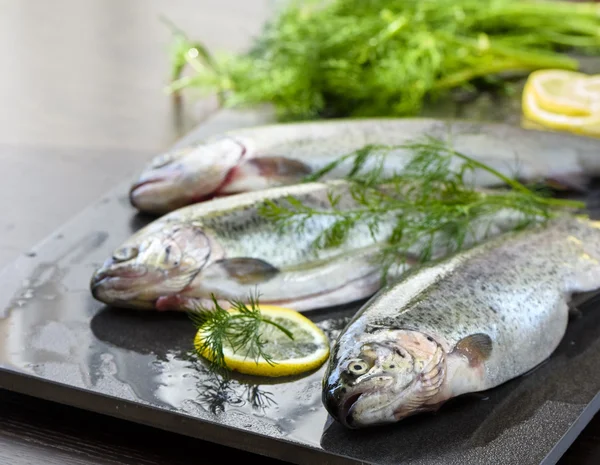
{"type": "Point", "coordinates": [58, 343]}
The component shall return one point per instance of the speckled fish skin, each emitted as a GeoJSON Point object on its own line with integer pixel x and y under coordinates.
{"type": "Point", "coordinates": [227, 248]}
{"type": "Point", "coordinates": [468, 323]}
{"type": "Point", "coordinates": [257, 158]}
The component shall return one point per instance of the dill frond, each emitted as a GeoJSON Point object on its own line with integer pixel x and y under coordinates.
{"type": "Point", "coordinates": [431, 202]}
{"type": "Point", "coordinates": [238, 328]}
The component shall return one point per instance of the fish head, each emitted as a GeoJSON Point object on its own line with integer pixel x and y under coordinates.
{"type": "Point", "coordinates": [185, 176]}
{"type": "Point", "coordinates": [157, 262]}
{"type": "Point", "coordinates": [382, 377]}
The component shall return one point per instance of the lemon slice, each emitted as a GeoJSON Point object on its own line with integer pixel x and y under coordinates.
{"type": "Point", "coordinates": [588, 89]}
{"type": "Point", "coordinates": [559, 91]}
{"type": "Point", "coordinates": [588, 125]}
{"type": "Point", "coordinates": [307, 351]}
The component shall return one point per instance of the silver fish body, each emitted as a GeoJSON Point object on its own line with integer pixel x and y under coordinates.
{"type": "Point", "coordinates": [258, 158]}
{"type": "Point", "coordinates": [228, 249]}
{"type": "Point", "coordinates": [465, 324]}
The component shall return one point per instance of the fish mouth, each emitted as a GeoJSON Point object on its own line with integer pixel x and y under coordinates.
{"type": "Point", "coordinates": [137, 287]}
{"type": "Point", "coordinates": [108, 271]}
{"type": "Point", "coordinates": [105, 282]}
{"type": "Point", "coordinates": [184, 180]}
{"type": "Point", "coordinates": [347, 410]}
{"type": "Point", "coordinates": [348, 405]}
{"type": "Point", "coordinates": [109, 285]}
{"type": "Point", "coordinates": [145, 188]}
{"type": "Point", "coordinates": [144, 182]}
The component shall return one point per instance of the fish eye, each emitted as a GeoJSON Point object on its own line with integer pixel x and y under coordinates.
{"type": "Point", "coordinates": [125, 253]}
{"type": "Point", "coordinates": [358, 367]}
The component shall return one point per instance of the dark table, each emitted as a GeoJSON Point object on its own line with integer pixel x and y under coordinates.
{"type": "Point", "coordinates": [81, 108]}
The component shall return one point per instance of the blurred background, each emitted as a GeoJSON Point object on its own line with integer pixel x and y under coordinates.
{"type": "Point", "coordinates": [82, 103]}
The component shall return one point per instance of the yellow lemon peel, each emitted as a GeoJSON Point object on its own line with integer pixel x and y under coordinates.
{"type": "Point", "coordinates": [307, 351]}
{"type": "Point", "coordinates": [563, 101]}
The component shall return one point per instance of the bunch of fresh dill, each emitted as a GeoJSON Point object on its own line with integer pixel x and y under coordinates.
{"type": "Point", "coordinates": [340, 58]}
{"type": "Point", "coordinates": [432, 202]}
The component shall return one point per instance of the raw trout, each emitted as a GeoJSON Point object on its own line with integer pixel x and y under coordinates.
{"type": "Point", "coordinates": [467, 323]}
{"type": "Point", "coordinates": [276, 155]}
{"type": "Point", "coordinates": [227, 248]}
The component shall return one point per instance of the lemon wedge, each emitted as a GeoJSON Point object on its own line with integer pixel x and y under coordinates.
{"type": "Point", "coordinates": [307, 351]}
{"type": "Point", "coordinates": [584, 124]}
{"type": "Point", "coordinates": [559, 91]}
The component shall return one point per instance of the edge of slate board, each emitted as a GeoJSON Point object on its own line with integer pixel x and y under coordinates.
{"type": "Point", "coordinates": [205, 430]}
{"type": "Point", "coordinates": [572, 433]}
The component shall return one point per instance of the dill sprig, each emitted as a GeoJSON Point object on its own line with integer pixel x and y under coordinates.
{"type": "Point", "coordinates": [238, 327]}
{"type": "Point", "coordinates": [389, 57]}
{"type": "Point", "coordinates": [432, 202]}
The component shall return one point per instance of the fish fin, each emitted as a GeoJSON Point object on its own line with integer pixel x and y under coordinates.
{"type": "Point", "coordinates": [476, 347]}
{"type": "Point", "coordinates": [434, 408]}
{"type": "Point", "coordinates": [575, 313]}
{"type": "Point", "coordinates": [248, 270]}
{"type": "Point", "coordinates": [176, 302]}
{"type": "Point", "coordinates": [280, 167]}
{"type": "Point", "coordinates": [182, 303]}
{"type": "Point", "coordinates": [577, 182]}
{"type": "Point", "coordinates": [262, 173]}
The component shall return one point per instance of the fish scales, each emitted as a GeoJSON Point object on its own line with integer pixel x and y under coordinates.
{"type": "Point", "coordinates": [501, 305]}
{"type": "Point", "coordinates": [244, 233]}
{"type": "Point", "coordinates": [226, 248]}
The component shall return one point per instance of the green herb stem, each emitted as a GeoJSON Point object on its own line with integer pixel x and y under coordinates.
{"type": "Point", "coordinates": [464, 76]}
{"type": "Point", "coordinates": [239, 328]}
{"type": "Point", "coordinates": [429, 202]}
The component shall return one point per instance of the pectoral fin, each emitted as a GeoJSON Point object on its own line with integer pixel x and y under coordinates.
{"type": "Point", "coordinates": [247, 270]}
{"type": "Point", "coordinates": [280, 167]}
{"type": "Point", "coordinates": [477, 348]}
{"type": "Point", "coordinates": [575, 313]}
{"type": "Point", "coordinates": [264, 172]}
{"type": "Point", "coordinates": [575, 182]}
